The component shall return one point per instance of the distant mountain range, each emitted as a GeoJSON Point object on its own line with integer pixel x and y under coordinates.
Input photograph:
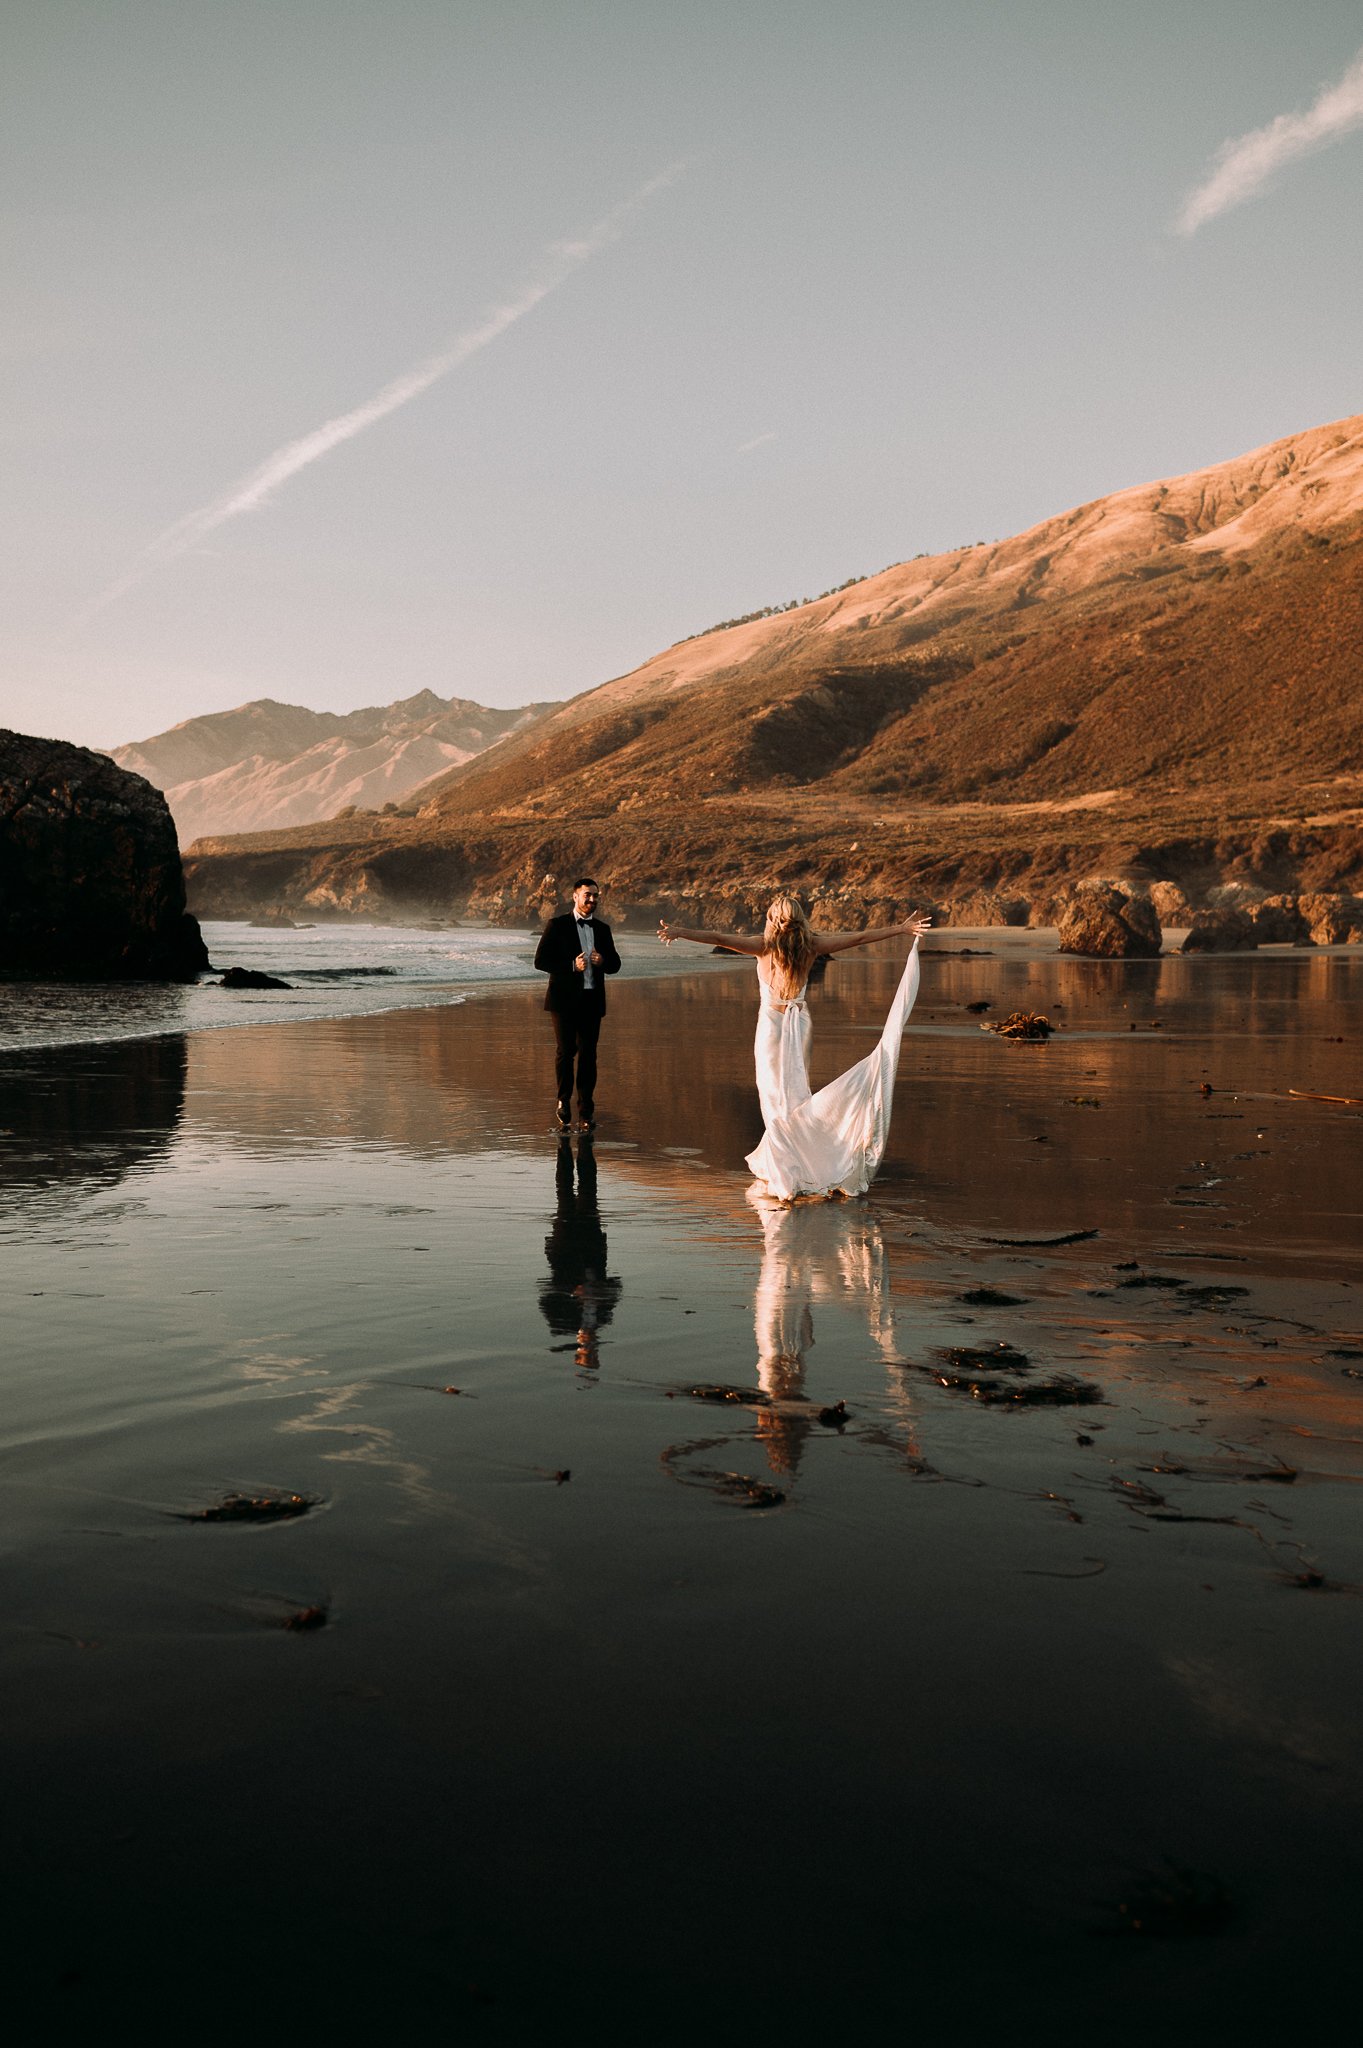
{"type": "Point", "coordinates": [266, 765]}
{"type": "Point", "coordinates": [1164, 682]}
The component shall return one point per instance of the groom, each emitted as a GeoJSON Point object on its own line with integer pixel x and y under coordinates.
{"type": "Point", "coordinates": [577, 952]}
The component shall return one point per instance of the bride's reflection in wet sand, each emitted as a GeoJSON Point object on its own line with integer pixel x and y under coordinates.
{"type": "Point", "coordinates": [831, 1252]}
{"type": "Point", "coordinates": [578, 1298]}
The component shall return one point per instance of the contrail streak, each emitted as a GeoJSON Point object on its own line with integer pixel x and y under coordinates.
{"type": "Point", "coordinates": [256, 489]}
{"type": "Point", "coordinates": [1246, 163]}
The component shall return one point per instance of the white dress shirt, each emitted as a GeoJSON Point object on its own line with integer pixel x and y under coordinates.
{"type": "Point", "coordinates": [586, 936]}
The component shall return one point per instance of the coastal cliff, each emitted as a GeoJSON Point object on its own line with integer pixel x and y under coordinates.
{"type": "Point", "coordinates": [91, 887]}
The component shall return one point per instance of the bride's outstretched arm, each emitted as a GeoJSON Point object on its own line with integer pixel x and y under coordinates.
{"type": "Point", "coordinates": [843, 942]}
{"type": "Point", "coordinates": [737, 942]}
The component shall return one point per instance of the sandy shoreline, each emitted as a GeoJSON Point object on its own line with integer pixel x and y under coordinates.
{"type": "Point", "coordinates": [961, 1676]}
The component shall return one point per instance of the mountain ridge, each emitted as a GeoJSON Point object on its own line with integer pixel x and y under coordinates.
{"type": "Point", "coordinates": [1175, 665]}
{"type": "Point", "coordinates": [269, 764]}
{"type": "Point", "coordinates": [925, 621]}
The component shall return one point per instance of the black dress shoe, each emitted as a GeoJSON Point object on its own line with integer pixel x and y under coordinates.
{"type": "Point", "coordinates": [586, 1116]}
{"type": "Point", "coordinates": [563, 1115]}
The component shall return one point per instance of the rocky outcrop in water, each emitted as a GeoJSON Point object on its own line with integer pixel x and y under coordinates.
{"type": "Point", "coordinates": [1109, 921]}
{"type": "Point", "coordinates": [251, 977]}
{"type": "Point", "coordinates": [91, 887]}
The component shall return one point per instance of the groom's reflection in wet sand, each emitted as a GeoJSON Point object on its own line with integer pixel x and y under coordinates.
{"type": "Point", "coordinates": [578, 1298]}
{"type": "Point", "coordinates": [824, 1251]}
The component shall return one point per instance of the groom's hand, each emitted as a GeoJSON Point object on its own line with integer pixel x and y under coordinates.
{"type": "Point", "coordinates": [580, 965]}
{"type": "Point", "coordinates": [596, 959]}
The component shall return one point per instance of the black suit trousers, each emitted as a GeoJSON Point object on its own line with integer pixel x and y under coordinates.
{"type": "Point", "coordinates": [576, 1030]}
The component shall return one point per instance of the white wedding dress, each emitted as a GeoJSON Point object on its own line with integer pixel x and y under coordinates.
{"type": "Point", "coordinates": [831, 1142]}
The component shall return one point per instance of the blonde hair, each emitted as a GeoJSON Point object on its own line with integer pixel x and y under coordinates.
{"type": "Point", "coordinates": [789, 945]}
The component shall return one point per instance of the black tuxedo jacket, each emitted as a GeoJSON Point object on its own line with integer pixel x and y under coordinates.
{"type": "Point", "coordinates": [559, 946]}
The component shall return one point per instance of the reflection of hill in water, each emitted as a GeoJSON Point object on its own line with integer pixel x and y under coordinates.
{"type": "Point", "coordinates": [76, 1120]}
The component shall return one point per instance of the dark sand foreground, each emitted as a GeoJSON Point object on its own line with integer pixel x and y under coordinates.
{"type": "Point", "coordinates": [1024, 1686]}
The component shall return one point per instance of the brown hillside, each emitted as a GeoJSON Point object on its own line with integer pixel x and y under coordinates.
{"type": "Point", "coordinates": [1183, 659]}
{"type": "Point", "coordinates": [1174, 598]}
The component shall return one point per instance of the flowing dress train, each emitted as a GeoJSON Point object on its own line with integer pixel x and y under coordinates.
{"type": "Point", "coordinates": [830, 1142]}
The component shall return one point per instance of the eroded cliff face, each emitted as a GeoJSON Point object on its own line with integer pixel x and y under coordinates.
{"type": "Point", "coordinates": [91, 887]}
{"type": "Point", "coordinates": [967, 864]}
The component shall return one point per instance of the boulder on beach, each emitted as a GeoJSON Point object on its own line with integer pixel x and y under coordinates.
{"type": "Point", "coordinates": [1233, 896]}
{"type": "Point", "coordinates": [91, 887]}
{"type": "Point", "coordinates": [1220, 931]}
{"type": "Point", "coordinates": [1109, 921]}
{"type": "Point", "coordinates": [1278, 922]}
{"type": "Point", "coordinates": [987, 908]}
{"type": "Point", "coordinates": [1333, 920]}
{"type": "Point", "coordinates": [1171, 905]}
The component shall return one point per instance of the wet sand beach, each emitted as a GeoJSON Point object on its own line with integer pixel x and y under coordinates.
{"type": "Point", "coordinates": [668, 1612]}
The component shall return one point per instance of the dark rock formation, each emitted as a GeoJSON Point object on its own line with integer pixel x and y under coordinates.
{"type": "Point", "coordinates": [1109, 921]}
{"type": "Point", "coordinates": [90, 882]}
{"type": "Point", "coordinates": [251, 977]}
{"type": "Point", "coordinates": [1221, 931]}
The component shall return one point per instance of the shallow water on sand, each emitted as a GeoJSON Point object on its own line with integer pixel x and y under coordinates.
{"type": "Point", "coordinates": [331, 970]}
{"type": "Point", "coordinates": [638, 1698]}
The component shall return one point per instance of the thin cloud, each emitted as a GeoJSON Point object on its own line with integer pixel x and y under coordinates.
{"type": "Point", "coordinates": [1244, 165]}
{"type": "Point", "coordinates": [257, 488]}
{"type": "Point", "coordinates": [757, 441]}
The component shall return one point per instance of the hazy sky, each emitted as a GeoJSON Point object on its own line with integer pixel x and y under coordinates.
{"type": "Point", "coordinates": [488, 346]}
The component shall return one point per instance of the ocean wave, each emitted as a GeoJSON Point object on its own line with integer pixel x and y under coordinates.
{"type": "Point", "coordinates": [339, 973]}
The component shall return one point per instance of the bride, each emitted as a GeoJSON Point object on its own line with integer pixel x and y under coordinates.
{"type": "Point", "coordinates": [830, 1142]}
